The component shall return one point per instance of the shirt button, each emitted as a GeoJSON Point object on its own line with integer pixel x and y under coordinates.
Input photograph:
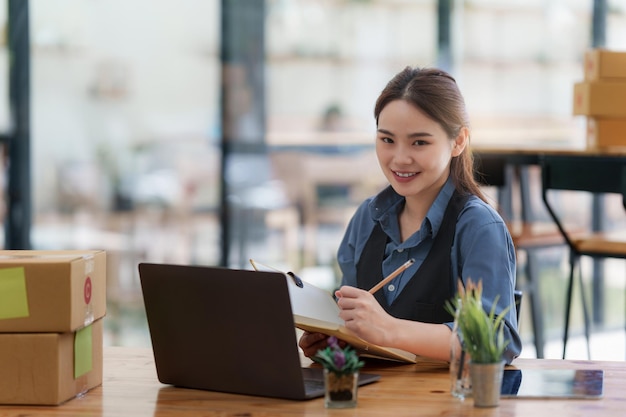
{"type": "Point", "coordinates": [400, 250]}
{"type": "Point", "coordinates": [391, 287]}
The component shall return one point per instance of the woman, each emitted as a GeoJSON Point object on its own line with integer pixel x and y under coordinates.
{"type": "Point", "coordinates": [434, 212]}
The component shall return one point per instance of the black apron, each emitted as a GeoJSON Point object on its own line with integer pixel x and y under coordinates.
{"type": "Point", "coordinates": [424, 296]}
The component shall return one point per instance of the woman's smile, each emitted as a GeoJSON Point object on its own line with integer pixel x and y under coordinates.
{"type": "Point", "coordinates": [404, 176]}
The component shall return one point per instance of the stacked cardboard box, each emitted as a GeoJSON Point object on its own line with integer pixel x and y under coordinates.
{"type": "Point", "coordinates": [602, 98]}
{"type": "Point", "coordinates": [51, 334]}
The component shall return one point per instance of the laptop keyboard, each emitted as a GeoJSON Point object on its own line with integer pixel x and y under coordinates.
{"type": "Point", "coordinates": [313, 384]}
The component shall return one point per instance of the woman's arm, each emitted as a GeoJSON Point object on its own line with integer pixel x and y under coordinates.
{"type": "Point", "coordinates": [485, 252]}
{"type": "Point", "coordinates": [367, 319]}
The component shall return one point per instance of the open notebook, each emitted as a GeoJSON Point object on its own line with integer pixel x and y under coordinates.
{"type": "Point", "coordinates": [315, 310]}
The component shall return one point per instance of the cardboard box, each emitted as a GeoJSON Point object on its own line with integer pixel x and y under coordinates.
{"type": "Point", "coordinates": [51, 291]}
{"type": "Point", "coordinates": [600, 99]}
{"type": "Point", "coordinates": [50, 368]}
{"type": "Point", "coordinates": [602, 64]}
{"type": "Point", "coordinates": [602, 133]}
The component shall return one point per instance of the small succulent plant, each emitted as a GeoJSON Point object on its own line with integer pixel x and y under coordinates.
{"type": "Point", "coordinates": [338, 360]}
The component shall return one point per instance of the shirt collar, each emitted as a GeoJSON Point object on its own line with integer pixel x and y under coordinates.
{"type": "Point", "coordinates": [385, 203]}
{"type": "Point", "coordinates": [437, 210]}
{"type": "Point", "coordinates": [388, 202]}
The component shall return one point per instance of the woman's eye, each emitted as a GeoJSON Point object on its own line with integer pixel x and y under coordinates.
{"type": "Point", "coordinates": [420, 142]}
{"type": "Point", "coordinates": [386, 140]}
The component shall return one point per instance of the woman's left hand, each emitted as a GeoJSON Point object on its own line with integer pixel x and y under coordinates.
{"type": "Point", "coordinates": [363, 315]}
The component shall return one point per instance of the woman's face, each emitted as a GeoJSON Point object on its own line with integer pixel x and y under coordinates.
{"type": "Point", "coordinates": [413, 150]}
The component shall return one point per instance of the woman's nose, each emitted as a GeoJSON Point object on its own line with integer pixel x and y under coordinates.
{"type": "Point", "coordinates": [402, 155]}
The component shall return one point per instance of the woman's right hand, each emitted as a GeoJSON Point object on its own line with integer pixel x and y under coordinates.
{"type": "Point", "coordinates": [310, 343]}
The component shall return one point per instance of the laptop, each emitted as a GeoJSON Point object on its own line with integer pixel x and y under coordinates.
{"type": "Point", "coordinates": [227, 330]}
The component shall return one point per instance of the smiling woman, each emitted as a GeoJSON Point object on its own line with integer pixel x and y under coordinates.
{"type": "Point", "coordinates": [414, 153]}
{"type": "Point", "coordinates": [432, 211]}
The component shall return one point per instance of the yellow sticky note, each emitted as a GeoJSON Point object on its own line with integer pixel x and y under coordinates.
{"type": "Point", "coordinates": [83, 342]}
{"type": "Point", "coordinates": [13, 298]}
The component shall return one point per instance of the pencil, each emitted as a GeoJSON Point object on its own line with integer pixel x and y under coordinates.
{"type": "Point", "coordinates": [392, 276]}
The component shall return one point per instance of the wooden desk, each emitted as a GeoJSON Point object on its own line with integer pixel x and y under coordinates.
{"type": "Point", "coordinates": [131, 389]}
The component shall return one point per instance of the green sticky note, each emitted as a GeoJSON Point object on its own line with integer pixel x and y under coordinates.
{"type": "Point", "coordinates": [83, 342]}
{"type": "Point", "coordinates": [13, 298]}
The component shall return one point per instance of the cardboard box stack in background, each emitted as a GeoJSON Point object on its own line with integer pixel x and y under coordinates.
{"type": "Point", "coordinates": [52, 305]}
{"type": "Point", "coordinates": [602, 98]}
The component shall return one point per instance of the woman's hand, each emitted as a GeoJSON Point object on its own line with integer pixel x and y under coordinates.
{"type": "Point", "coordinates": [364, 316]}
{"type": "Point", "coordinates": [310, 343]}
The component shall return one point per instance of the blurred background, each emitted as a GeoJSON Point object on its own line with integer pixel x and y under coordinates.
{"type": "Point", "coordinates": [210, 132]}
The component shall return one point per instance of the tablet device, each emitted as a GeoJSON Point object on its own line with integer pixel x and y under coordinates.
{"type": "Point", "coordinates": [552, 383]}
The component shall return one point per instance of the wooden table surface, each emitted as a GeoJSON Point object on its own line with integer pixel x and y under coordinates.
{"type": "Point", "coordinates": [131, 388]}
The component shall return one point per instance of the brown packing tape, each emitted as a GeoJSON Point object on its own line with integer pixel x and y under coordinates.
{"type": "Point", "coordinates": [88, 290]}
{"type": "Point", "coordinates": [51, 256]}
{"type": "Point", "coordinates": [591, 133]}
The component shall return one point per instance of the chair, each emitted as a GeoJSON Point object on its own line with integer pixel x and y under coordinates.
{"type": "Point", "coordinates": [528, 234]}
{"type": "Point", "coordinates": [597, 175]}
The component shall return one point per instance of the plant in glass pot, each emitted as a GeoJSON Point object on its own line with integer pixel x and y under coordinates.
{"type": "Point", "coordinates": [341, 374]}
{"type": "Point", "coordinates": [483, 341]}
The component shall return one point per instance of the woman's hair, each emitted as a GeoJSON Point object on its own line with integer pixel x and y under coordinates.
{"type": "Point", "coordinates": [436, 93]}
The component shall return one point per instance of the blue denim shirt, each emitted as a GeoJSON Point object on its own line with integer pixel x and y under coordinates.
{"type": "Point", "coordinates": [482, 249]}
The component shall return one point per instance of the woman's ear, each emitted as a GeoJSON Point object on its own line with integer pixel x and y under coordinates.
{"type": "Point", "coordinates": [460, 142]}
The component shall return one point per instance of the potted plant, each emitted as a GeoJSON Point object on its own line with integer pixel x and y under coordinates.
{"type": "Point", "coordinates": [483, 341]}
{"type": "Point", "coordinates": [341, 374]}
